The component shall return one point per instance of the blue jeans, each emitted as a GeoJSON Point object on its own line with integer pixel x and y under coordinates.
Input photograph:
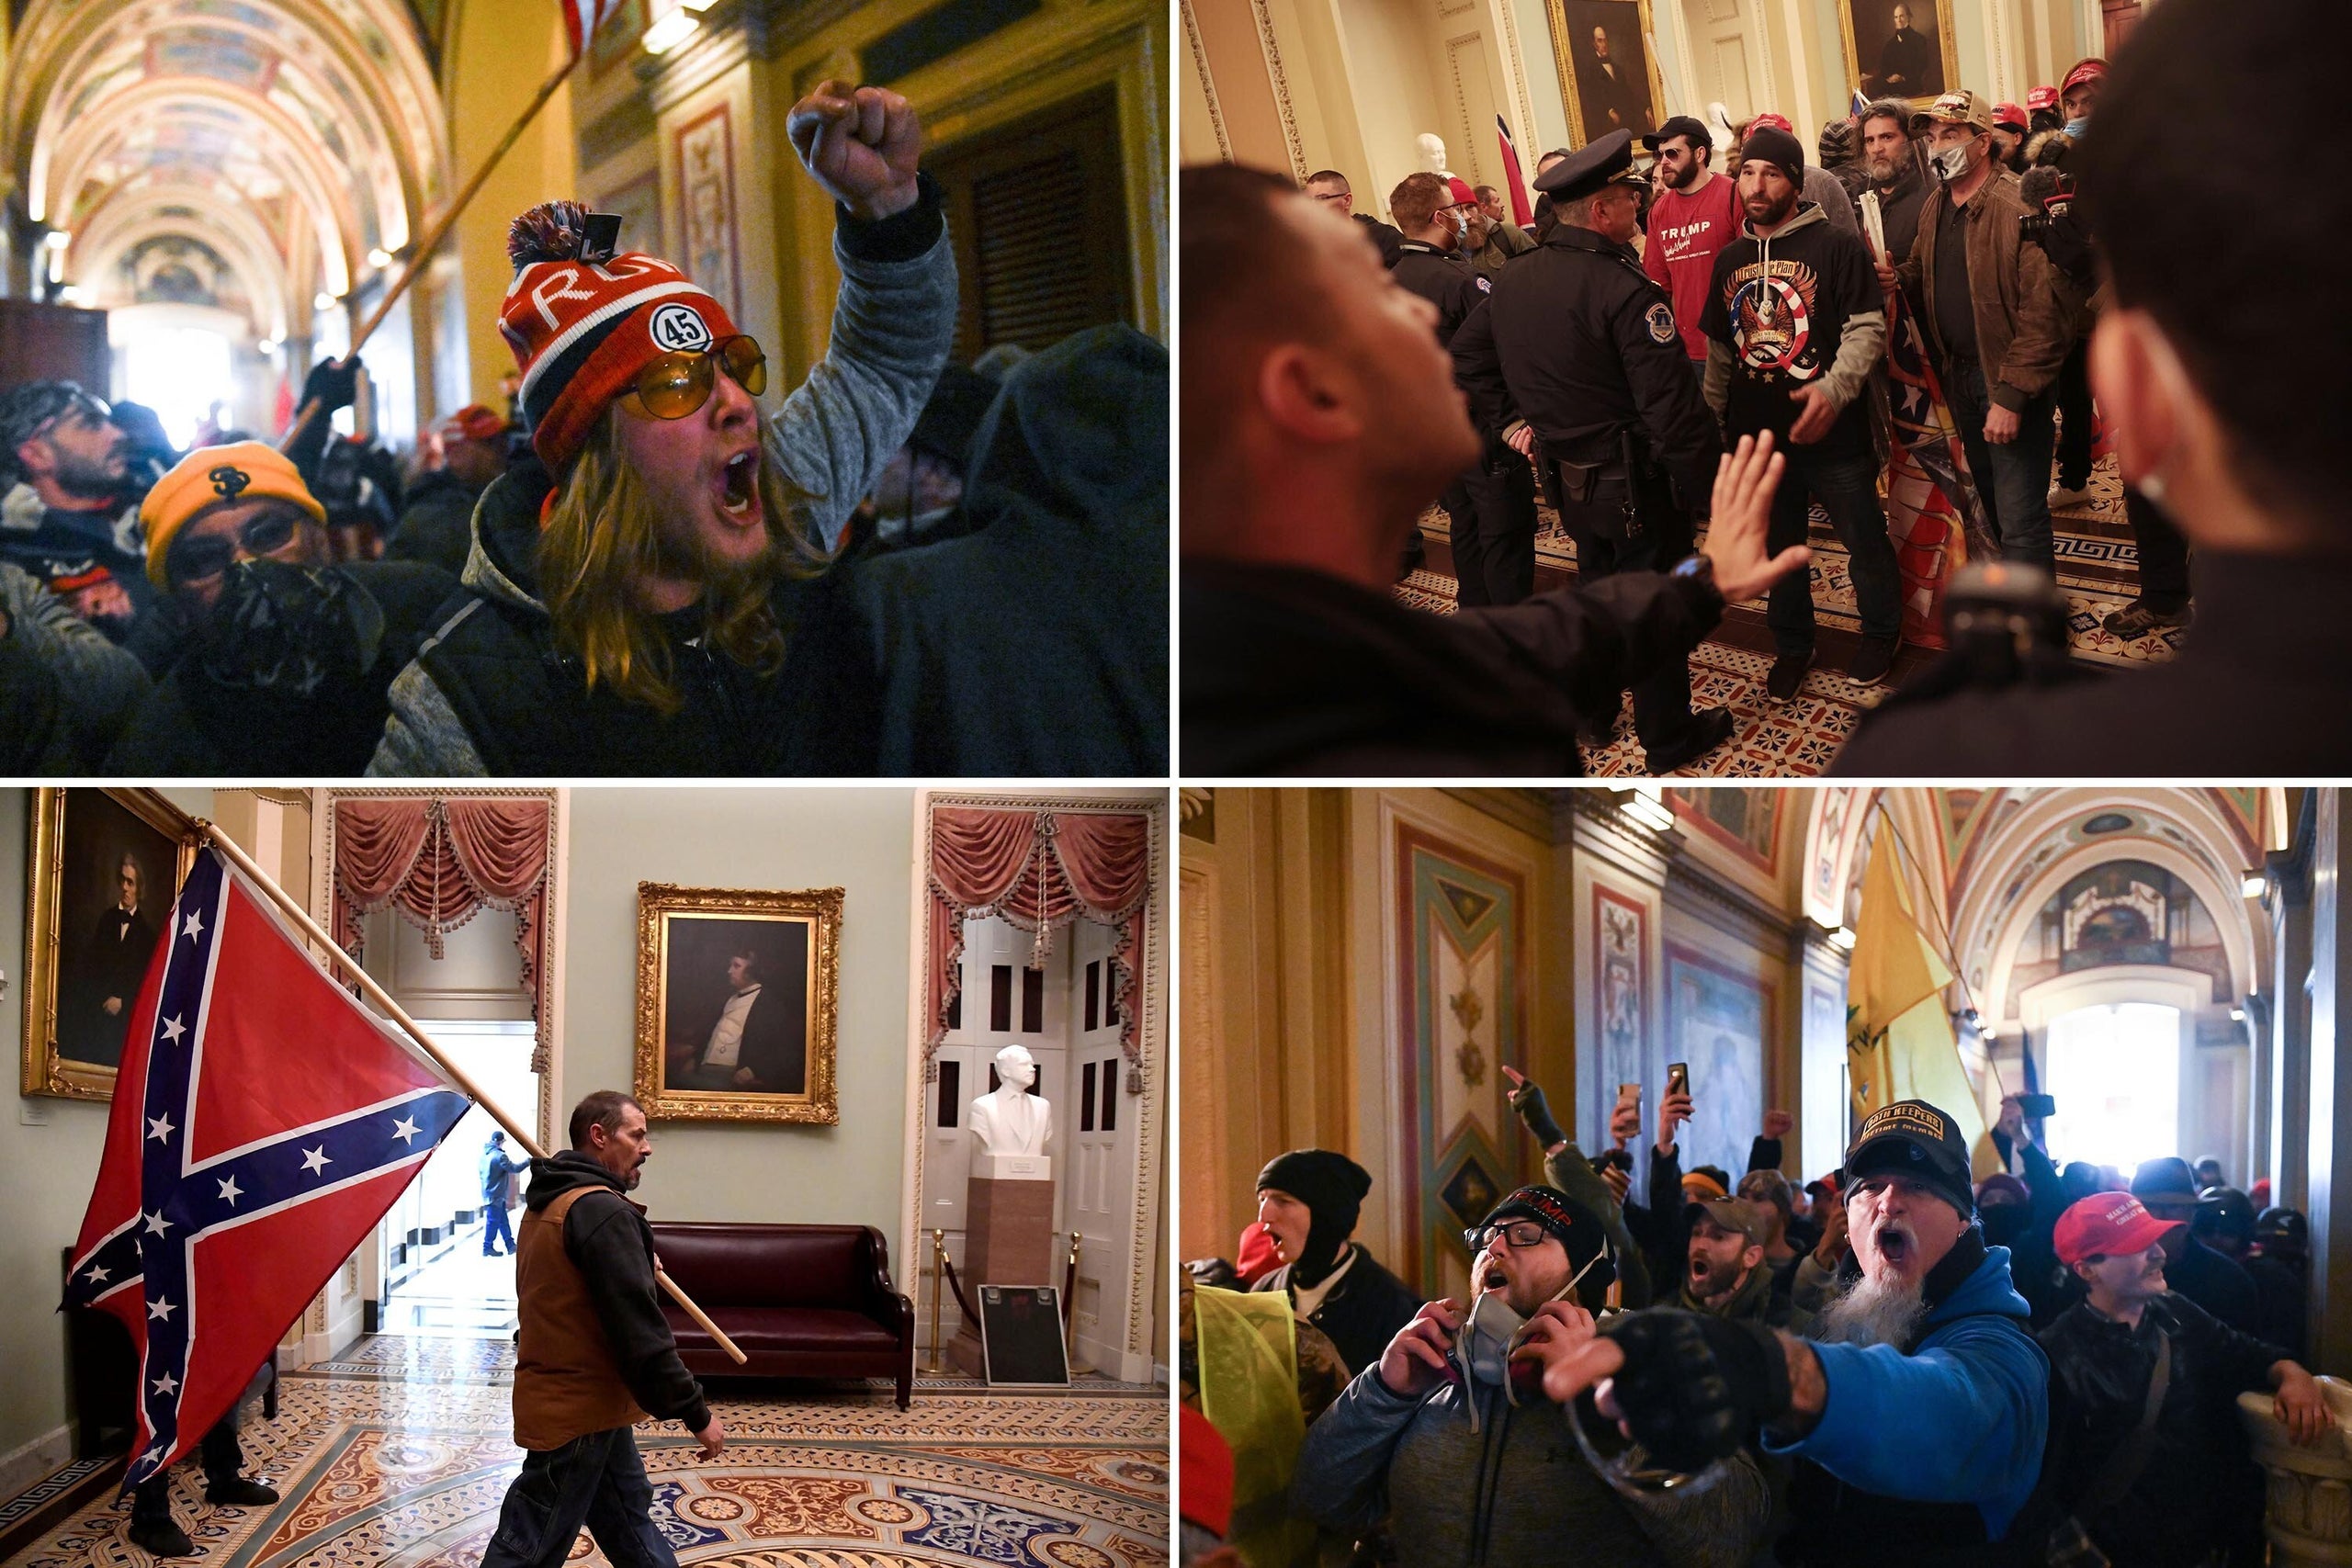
{"type": "Point", "coordinates": [598, 1480]}
{"type": "Point", "coordinates": [1847, 490]}
{"type": "Point", "coordinates": [496, 1225]}
{"type": "Point", "coordinates": [2013, 478]}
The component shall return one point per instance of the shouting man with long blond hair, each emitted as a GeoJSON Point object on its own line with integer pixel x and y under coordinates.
{"type": "Point", "coordinates": [629, 598]}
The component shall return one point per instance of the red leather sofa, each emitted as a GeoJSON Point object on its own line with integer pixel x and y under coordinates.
{"type": "Point", "coordinates": [802, 1300]}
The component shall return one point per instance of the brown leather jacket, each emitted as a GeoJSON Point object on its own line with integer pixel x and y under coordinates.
{"type": "Point", "coordinates": [2024, 326]}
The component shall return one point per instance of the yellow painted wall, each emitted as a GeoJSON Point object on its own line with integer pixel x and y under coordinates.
{"type": "Point", "coordinates": [499, 52]}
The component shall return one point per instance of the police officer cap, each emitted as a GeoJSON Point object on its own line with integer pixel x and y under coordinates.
{"type": "Point", "coordinates": [1582, 173]}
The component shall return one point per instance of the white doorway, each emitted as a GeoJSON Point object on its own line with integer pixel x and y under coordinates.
{"type": "Point", "coordinates": [1726, 58]}
{"type": "Point", "coordinates": [427, 1272]}
{"type": "Point", "coordinates": [1065, 1015]}
{"type": "Point", "coordinates": [2114, 1071]}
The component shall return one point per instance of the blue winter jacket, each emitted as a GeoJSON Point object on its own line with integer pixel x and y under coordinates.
{"type": "Point", "coordinates": [1961, 1419]}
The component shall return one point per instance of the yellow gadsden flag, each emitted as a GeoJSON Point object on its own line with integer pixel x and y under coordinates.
{"type": "Point", "coordinates": [1899, 1042]}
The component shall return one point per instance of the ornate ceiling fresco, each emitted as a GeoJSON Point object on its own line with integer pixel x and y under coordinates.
{"type": "Point", "coordinates": [289, 137]}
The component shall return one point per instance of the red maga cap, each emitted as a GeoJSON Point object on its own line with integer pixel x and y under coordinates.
{"type": "Point", "coordinates": [2088, 69]}
{"type": "Point", "coordinates": [2106, 1223]}
{"type": "Point", "coordinates": [2040, 98]}
{"type": "Point", "coordinates": [2010, 114]}
{"type": "Point", "coordinates": [1777, 121]}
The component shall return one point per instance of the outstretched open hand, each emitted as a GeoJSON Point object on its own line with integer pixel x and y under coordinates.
{"type": "Point", "coordinates": [1744, 565]}
{"type": "Point", "coordinates": [860, 143]}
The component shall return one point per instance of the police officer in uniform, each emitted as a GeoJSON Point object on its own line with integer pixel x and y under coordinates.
{"type": "Point", "coordinates": [1492, 507]}
{"type": "Point", "coordinates": [1575, 358]}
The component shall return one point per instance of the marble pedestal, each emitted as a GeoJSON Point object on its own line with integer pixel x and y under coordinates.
{"type": "Point", "coordinates": [1008, 1237]}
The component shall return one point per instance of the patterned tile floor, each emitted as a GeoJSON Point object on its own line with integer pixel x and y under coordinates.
{"type": "Point", "coordinates": [2098, 568]}
{"type": "Point", "coordinates": [396, 1455]}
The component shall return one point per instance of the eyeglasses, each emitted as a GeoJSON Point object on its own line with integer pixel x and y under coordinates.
{"type": "Point", "coordinates": [677, 384]}
{"type": "Point", "coordinates": [90, 410]}
{"type": "Point", "coordinates": [193, 560]}
{"type": "Point", "coordinates": [1519, 1233]}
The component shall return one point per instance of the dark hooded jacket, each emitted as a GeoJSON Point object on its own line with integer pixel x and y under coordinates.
{"type": "Point", "coordinates": [608, 1239]}
{"type": "Point", "coordinates": [1035, 641]}
{"type": "Point", "coordinates": [1363, 1310]}
{"type": "Point", "coordinates": [490, 693]}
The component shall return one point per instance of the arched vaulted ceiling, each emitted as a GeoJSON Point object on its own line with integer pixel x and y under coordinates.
{"type": "Point", "coordinates": [1992, 857]}
{"type": "Point", "coordinates": [291, 137]}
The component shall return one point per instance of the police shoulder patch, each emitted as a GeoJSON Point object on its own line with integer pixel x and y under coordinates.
{"type": "Point", "coordinates": [1660, 320]}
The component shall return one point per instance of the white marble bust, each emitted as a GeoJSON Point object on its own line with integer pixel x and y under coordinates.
{"type": "Point", "coordinates": [1433, 152]}
{"type": "Point", "coordinates": [1009, 1120]}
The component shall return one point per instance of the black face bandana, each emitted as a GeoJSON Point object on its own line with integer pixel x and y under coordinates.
{"type": "Point", "coordinates": [290, 630]}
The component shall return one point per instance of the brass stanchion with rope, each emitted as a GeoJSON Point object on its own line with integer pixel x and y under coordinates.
{"type": "Point", "coordinates": [938, 1289]}
{"type": "Point", "coordinates": [376, 993]}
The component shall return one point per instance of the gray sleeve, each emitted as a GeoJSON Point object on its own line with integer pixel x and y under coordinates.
{"type": "Point", "coordinates": [1341, 1481]}
{"type": "Point", "coordinates": [1861, 345]}
{"type": "Point", "coordinates": [1720, 1526]}
{"type": "Point", "coordinates": [893, 324]}
{"type": "Point", "coordinates": [1718, 376]}
{"type": "Point", "coordinates": [423, 738]}
{"type": "Point", "coordinates": [1829, 192]}
{"type": "Point", "coordinates": [100, 684]}
{"type": "Point", "coordinates": [1813, 1287]}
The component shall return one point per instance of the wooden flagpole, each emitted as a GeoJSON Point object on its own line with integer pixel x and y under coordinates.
{"type": "Point", "coordinates": [302, 916]}
{"type": "Point", "coordinates": [423, 252]}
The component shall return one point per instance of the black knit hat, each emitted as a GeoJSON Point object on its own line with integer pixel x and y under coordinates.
{"type": "Point", "coordinates": [1332, 1187]}
{"type": "Point", "coordinates": [24, 409]}
{"type": "Point", "coordinates": [1578, 1228]}
{"type": "Point", "coordinates": [1772, 145]}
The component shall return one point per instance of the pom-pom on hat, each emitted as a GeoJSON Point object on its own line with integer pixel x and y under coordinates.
{"type": "Point", "coordinates": [583, 324]}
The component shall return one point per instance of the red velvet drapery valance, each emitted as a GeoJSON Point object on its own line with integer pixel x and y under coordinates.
{"type": "Point", "coordinates": [439, 860]}
{"type": "Point", "coordinates": [1037, 871]}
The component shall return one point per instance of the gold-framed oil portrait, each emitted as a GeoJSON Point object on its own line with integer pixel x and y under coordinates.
{"type": "Point", "coordinates": [104, 865]}
{"type": "Point", "coordinates": [1899, 49]}
{"type": "Point", "coordinates": [1609, 79]}
{"type": "Point", "coordinates": [737, 1003]}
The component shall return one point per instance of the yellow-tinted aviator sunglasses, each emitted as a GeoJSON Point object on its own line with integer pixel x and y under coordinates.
{"type": "Point", "coordinates": [677, 384]}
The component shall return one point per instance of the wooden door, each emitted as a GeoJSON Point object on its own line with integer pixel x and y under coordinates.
{"type": "Point", "coordinates": [1038, 216]}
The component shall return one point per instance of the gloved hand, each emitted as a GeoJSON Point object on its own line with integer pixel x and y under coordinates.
{"type": "Point", "coordinates": [334, 385]}
{"type": "Point", "coordinates": [1695, 1388]}
{"type": "Point", "coordinates": [1528, 1100]}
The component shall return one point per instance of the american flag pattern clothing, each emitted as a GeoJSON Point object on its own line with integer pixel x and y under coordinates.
{"type": "Point", "coordinates": [1933, 515]}
{"type": "Point", "coordinates": [582, 19]}
{"type": "Point", "coordinates": [263, 1123]}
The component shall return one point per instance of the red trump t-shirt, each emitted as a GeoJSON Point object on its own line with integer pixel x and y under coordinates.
{"type": "Point", "coordinates": [1686, 231]}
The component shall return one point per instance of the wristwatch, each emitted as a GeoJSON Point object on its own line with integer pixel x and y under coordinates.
{"type": "Point", "coordinates": [1696, 567]}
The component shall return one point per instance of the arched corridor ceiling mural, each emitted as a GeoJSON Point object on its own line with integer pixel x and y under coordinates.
{"type": "Point", "coordinates": [289, 137]}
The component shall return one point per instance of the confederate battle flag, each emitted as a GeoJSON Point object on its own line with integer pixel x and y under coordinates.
{"type": "Point", "coordinates": [263, 1123]}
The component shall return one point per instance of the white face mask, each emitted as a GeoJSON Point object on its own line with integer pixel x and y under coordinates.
{"type": "Point", "coordinates": [1953, 162]}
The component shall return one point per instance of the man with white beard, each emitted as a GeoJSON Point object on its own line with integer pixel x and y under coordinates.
{"type": "Point", "coordinates": [1916, 1415]}
{"type": "Point", "coordinates": [1449, 1437]}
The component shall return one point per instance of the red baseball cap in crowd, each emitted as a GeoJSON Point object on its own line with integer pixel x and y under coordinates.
{"type": "Point", "coordinates": [1463, 195]}
{"type": "Point", "coordinates": [1777, 121]}
{"type": "Point", "coordinates": [1205, 1472]}
{"type": "Point", "coordinates": [2010, 116]}
{"type": "Point", "coordinates": [2106, 1224]}
{"type": "Point", "coordinates": [2040, 98]}
{"type": "Point", "coordinates": [475, 421]}
{"type": "Point", "coordinates": [2088, 69]}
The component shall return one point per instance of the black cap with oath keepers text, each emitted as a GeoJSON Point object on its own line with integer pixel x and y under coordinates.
{"type": "Point", "coordinates": [1912, 1138]}
{"type": "Point", "coordinates": [1589, 169]}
